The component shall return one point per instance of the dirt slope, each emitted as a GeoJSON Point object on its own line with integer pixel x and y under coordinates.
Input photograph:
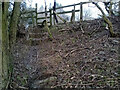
{"type": "Point", "coordinates": [77, 57]}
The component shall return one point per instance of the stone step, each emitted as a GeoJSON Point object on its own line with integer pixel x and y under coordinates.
{"type": "Point", "coordinates": [35, 35]}
{"type": "Point", "coordinates": [33, 41]}
{"type": "Point", "coordinates": [36, 41]}
{"type": "Point", "coordinates": [37, 30]}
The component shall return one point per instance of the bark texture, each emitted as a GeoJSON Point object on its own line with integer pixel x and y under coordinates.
{"type": "Point", "coordinates": [5, 69]}
{"type": "Point", "coordinates": [14, 22]}
{"type": "Point", "coordinates": [0, 45]}
{"type": "Point", "coordinates": [5, 45]}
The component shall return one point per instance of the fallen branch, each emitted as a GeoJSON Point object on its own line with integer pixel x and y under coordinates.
{"type": "Point", "coordinates": [63, 30]}
{"type": "Point", "coordinates": [20, 87]}
{"type": "Point", "coordinates": [71, 52]}
{"type": "Point", "coordinates": [82, 29]}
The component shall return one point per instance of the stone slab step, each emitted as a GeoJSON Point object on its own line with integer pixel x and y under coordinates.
{"type": "Point", "coordinates": [33, 42]}
{"type": "Point", "coordinates": [35, 35]}
{"type": "Point", "coordinates": [37, 31]}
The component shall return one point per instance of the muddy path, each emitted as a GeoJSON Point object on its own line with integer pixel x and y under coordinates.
{"type": "Point", "coordinates": [72, 59]}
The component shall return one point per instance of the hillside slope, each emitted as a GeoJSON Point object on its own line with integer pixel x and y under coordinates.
{"type": "Point", "coordinates": [79, 56]}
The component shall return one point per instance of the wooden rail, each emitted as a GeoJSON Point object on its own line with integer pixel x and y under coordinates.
{"type": "Point", "coordinates": [73, 11]}
{"type": "Point", "coordinates": [42, 12]}
{"type": "Point", "coordinates": [72, 5]}
{"type": "Point", "coordinates": [50, 16]}
{"type": "Point", "coordinates": [43, 17]}
{"type": "Point", "coordinates": [33, 11]}
{"type": "Point", "coordinates": [66, 12]}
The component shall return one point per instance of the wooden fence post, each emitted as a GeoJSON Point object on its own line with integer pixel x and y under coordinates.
{"type": "Point", "coordinates": [53, 18]}
{"type": "Point", "coordinates": [50, 17]}
{"type": "Point", "coordinates": [33, 22]}
{"type": "Point", "coordinates": [54, 9]}
{"type": "Point", "coordinates": [36, 13]}
{"type": "Point", "coordinates": [81, 12]}
{"type": "Point", "coordinates": [119, 8]}
{"type": "Point", "coordinates": [45, 11]}
{"type": "Point", "coordinates": [74, 14]}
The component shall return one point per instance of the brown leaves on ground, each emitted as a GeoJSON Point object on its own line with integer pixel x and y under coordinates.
{"type": "Point", "coordinates": [76, 59]}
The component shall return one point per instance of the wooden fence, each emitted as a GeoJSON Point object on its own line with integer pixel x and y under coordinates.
{"type": "Point", "coordinates": [50, 14]}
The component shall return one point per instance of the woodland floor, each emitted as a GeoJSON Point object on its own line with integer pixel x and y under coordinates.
{"type": "Point", "coordinates": [73, 59]}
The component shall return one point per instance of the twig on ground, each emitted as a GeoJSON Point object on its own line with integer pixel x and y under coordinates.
{"type": "Point", "coordinates": [20, 87]}
{"type": "Point", "coordinates": [74, 50]}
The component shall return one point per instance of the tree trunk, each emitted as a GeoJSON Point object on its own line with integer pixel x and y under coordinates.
{"type": "Point", "coordinates": [5, 45]}
{"type": "Point", "coordinates": [1, 46]}
{"type": "Point", "coordinates": [4, 41]}
{"type": "Point", "coordinates": [108, 7]}
{"type": "Point", "coordinates": [106, 20]}
{"type": "Point", "coordinates": [14, 22]}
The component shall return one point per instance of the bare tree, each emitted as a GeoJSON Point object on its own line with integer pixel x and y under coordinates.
{"type": "Point", "coordinates": [108, 7]}
{"type": "Point", "coordinates": [110, 26]}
